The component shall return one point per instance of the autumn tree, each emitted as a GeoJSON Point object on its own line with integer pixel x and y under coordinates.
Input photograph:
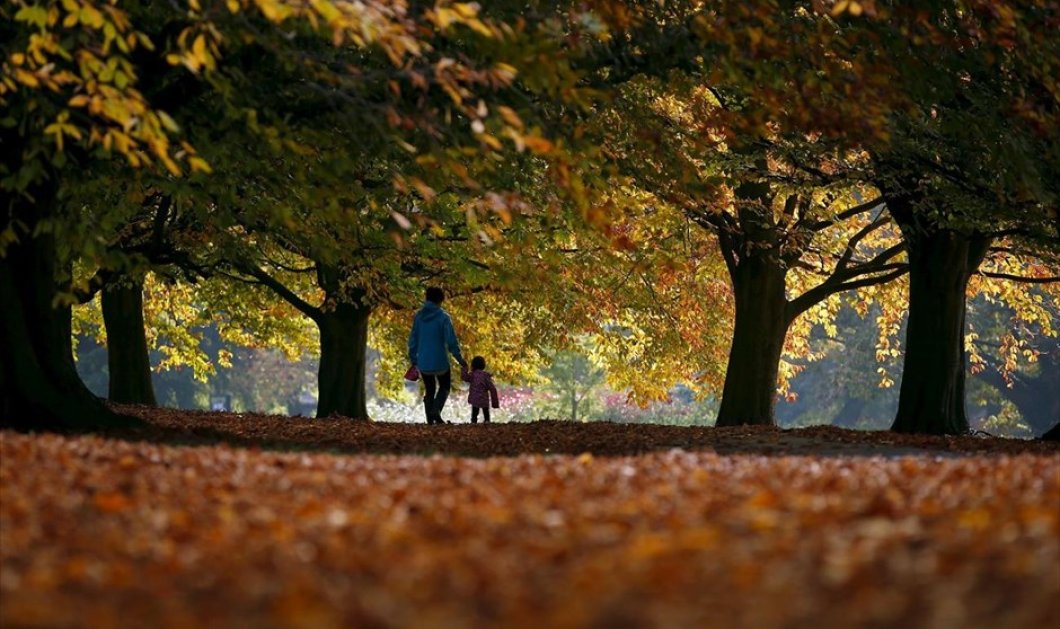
{"type": "Point", "coordinates": [149, 238]}
{"type": "Point", "coordinates": [793, 229]}
{"type": "Point", "coordinates": [969, 167]}
{"type": "Point", "coordinates": [71, 91]}
{"type": "Point", "coordinates": [57, 61]}
{"type": "Point", "coordinates": [951, 104]}
{"type": "Point", "coordinates": [317, 218]}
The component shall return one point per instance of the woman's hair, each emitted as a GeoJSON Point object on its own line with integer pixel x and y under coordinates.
{"type": "Point", "coordinates": [435, 294]}
{"type": "Point", "coordinates": [478, 362]}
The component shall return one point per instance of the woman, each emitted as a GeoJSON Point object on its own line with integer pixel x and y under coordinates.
{"type": "Point", "coordinates": [430, 343]}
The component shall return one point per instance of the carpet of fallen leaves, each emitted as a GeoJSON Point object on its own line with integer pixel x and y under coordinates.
{"type": "Point", "coordinates": [545, 437]}
{"type": "Point", "coordinates": [682, 527]}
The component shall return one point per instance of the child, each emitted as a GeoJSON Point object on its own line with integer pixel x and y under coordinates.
{"type": "Point", "coordinates": [481, 392]}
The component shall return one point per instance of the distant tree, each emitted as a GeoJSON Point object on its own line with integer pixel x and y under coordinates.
{"type": "Point", "coordinates": [573, 381]}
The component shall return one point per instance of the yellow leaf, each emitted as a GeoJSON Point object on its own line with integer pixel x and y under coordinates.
{"type": "Point", "coordinates": [168, 122]}
{"type": "Point", "coordinates": [145, 41]}
{"type": "Point", "coordinates": [170, 165]}
{"type": "Point", "coordinates": [465, 10]}
{"type": "Point", "coordinates": [26, 78]}
{"type": "Point", "coordinates": [198, 164]}
{"type": "Point", "coordinates": [505, 71]}
{"type": "Point", "coordinates": [490, 141]}
{"type": "Point", "coordinates": [326, 10]}
{"type": "Point", "coordinates": [56, 130]}
{"type": "Point", "coordinates": [198, 49]}
{"type": "Point", "coordinates": [71, 131]}
{"type": "Point", "coordinates": [510, 116]}
{"type": "Point", "coordinates": [90, 16]}
{"type": "Point", "coordinates": [479, 27]}
{"type": "Point", "coordinates": [443, 17]}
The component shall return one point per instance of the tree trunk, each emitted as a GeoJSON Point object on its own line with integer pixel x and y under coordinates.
{"type": "Point", "coordinates": [343, 346]}
{"type": "Point", "coordinates": [39, 385]}
{"type": "Point", "coordinates": [127, 358]}
{"type": "Point", "coordinates": [760, 328]}
{"type": "Point", "coordinates": [941, 261]}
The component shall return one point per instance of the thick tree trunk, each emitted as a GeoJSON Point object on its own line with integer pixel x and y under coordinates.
{"type": "Point", "coordinates": [127, 358]}
{"type": "Point", "coordinates": [343, 345]}
{"type": "Point", "coordinates": [941, 261]}
{"type": "Point", "coordinates": [39, 385]}
{"type": "Point", "coordinates": [761, 325]}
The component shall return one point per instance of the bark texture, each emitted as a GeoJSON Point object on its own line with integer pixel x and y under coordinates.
{"type": "Point", "coordinates": [39, 385]}
{"type": "Point", "coordinates": [343, 345]}
{"type": "Point", "coordinates": [128, 361]}
{"type": "Point", "coordinates": [941, 261]}
{"type": "Point", "coordinates": [761, 325]}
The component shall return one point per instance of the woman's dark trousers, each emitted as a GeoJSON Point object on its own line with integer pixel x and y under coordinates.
{"type": "Point", "coordinates": [438, 387]}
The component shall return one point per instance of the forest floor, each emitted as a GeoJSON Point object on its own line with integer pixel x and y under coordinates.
{"type": "Point", "coordinates": [207, 519]}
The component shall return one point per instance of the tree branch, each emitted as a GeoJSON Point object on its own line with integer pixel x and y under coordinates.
{"type": "Point", "coordinates": [1021, 278]}
{"type": "Point", "coordinates": [844, 215]}
{"type": "Point", "coordinates": [285, 293]}
{"type": "Point", "coordinates": [852, 244]}
{"type": "Point", "coordinates": [722, 224]}
{"type": "Point", "coordinates": [874, 265]}
{"type": "Point", "coordinates": [819, 293]}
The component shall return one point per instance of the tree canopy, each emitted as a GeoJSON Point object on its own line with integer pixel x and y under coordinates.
{"type": "Point", "coordinates": [686, 189]}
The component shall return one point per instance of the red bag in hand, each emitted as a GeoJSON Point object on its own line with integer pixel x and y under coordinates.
{"type": "Point", "coordinates": [413, 374]}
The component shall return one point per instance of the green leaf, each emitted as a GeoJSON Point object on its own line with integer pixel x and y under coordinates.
{"type": "Point", "coordinates": [33, 14]}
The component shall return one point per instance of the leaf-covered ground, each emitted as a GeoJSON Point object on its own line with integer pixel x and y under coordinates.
{"type": "Point", "coordinates": [548, 437]}
{"type": "Point", "coordinates": [683, 527]}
